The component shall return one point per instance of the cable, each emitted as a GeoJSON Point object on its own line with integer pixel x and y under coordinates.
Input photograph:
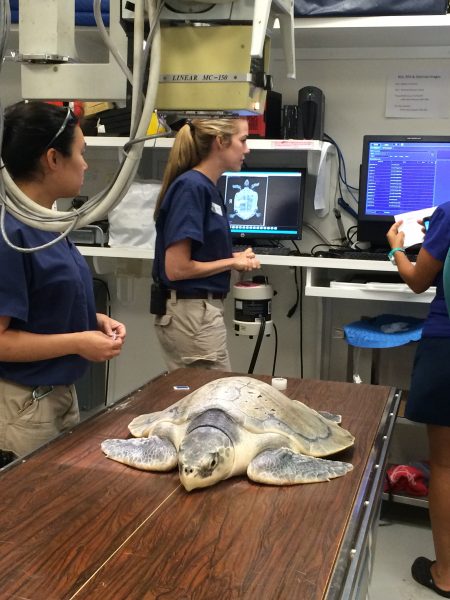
{"type": "Point", "coordinates": [317, 232]}
{"type": "Point", "coordinates": [275, 351]}
{"type": "Point", "coordinates": [257, 345]}
{"type": "Point", "coordinates": [108, 312]}
{"type": "Point", "coordinates": [342, 170]}
{"type": "Point", "coordinates": [298, 304]}
{"type": "Point", "coordinates": [301, 320]}
{"type": "Point", "coordinates": [330, 246]}
{"type": "Point", "coordinates": [351, 233]}
{"type": "Point", "coordinates": [293, 308]}
{"type": "Point", "coordinates": [296, 247]}
{"type": "Point", "coordinates": [23, 208]}
{"type": "Point", "coordinates": [107, 40]}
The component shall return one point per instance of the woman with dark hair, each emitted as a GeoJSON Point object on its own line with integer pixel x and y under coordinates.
{"type": "Point", "coordinates": [193, 253]}
{"type": "Point", "coordinates": [49, 328]}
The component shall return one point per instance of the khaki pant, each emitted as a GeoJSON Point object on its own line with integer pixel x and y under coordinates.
{"type": "Point", "coordinates": [192, 333]}
{"type": "Point", "coordinates": [27, 422]}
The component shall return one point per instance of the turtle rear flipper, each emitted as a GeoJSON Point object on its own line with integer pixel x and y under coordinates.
{"type": "Point", "coordinates": [282, 466]}
{"type": "Point", "coordinates": [149, 454]}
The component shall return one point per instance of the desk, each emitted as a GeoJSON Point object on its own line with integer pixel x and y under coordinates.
{"type": "Point", "coordinates": [77, 525]}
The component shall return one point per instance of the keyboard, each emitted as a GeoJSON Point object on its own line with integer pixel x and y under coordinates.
{"type": "Point", "coordinates": [364, 255]}
{"type": "Point", "coordinates": [274, 250]}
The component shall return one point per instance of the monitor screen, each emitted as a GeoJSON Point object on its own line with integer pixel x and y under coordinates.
{"type": "Point", "coordinates": [264, 204]}
{"type": "Point", "coordinates": [400, 174]}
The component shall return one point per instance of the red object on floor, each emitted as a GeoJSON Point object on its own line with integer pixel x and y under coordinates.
{"type": "Point", "coordinates": [405, 478]}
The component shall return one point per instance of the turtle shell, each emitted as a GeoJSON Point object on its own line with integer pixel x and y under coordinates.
{"type": "Point", "coordinates": [255, 407]}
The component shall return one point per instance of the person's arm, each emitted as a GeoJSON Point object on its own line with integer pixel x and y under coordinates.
{"type": "Point", "coordinates": [179, 264]}
{"type": "Point", "coordinates": [23, 346]}
{"type": "Point", "coordinates": [419, 276]}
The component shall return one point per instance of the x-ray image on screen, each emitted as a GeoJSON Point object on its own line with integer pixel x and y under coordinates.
{"type": "Point", "coordinates": [246, 200]}
{"type": "Point", "coordinates": [264, 204]}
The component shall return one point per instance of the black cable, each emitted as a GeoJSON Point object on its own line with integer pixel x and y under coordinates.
{"type": "Point", "coordinates": [293, 308]}
{"type": "Point", "coordinates": [108, 312]}
{"type": "Point", "coordinates": [298, 304]}
{"type": "Point", "coordinates": [257, 345]}
{"type": "Point", "coordinates": [275, 352]}
{"type": "Point", "coordinates": [301, 321]}
{"type": "Point", "coordinates": [342, 170]}
{"type": "Point", "coordinates": [296, 247]}
{"type": "Point", "coordinates": [326, 246]}
{"type": "Point", "coordinates": [351, 233]}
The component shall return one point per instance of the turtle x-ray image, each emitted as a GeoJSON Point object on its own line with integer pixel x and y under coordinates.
{"type": "Point", "coordinates": [246, 199]}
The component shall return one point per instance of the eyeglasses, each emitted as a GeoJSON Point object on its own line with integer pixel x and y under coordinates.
{"type": "Point", "coordinates": [67, 118]}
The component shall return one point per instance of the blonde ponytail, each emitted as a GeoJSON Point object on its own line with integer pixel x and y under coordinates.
{"type": "Point", "coordinates": [192, 145]}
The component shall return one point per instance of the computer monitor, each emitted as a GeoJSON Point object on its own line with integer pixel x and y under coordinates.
{"type": "Point", "coordinates": [400, 173]}
{"type": "Point", "coordinates": [264, 204]}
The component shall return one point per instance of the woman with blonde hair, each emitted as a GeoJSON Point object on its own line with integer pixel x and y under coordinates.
{"type": "Point", "coordinates": [193, 253]}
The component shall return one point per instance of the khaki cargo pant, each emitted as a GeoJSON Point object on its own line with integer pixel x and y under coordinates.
{"type": "Point", "coordinates": [27, 422]}
{"type": "Point", "coordinates": [192, 333]}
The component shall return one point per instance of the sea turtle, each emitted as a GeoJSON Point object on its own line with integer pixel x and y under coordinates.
{"type": "Point", "coordinates": [231, 426]}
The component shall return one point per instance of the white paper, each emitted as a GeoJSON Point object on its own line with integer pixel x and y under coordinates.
{"type": "Point", "coordinates": [413, 231]}
{"type": "Point", "coordinates": [418, 95]}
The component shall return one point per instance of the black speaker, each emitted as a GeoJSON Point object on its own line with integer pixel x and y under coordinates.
{"type": "Point", "coordinates": [311, 113]}
{"type": "Point", "coordinates": [273, 115]}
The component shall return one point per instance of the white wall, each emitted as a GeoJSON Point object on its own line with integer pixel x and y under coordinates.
{"type": "Point", "coordinates": [354, 89]}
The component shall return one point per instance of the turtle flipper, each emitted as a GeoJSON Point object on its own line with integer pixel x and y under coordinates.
{"type": "Point", "coordinates": [149, 454]}
{"type": "Point", "coordinates": [331, 416]}
{"type": "Point", "coordinates": [282, 466]}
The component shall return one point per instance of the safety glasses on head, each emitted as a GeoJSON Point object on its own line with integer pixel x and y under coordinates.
{"type": "Point", "coordinates": [69, 117]}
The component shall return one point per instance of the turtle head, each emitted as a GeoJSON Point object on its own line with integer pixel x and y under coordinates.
{"type": "Point", "coordinates": [205, 456]}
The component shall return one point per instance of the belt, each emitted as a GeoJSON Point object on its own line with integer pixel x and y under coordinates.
{"type": "Point", "coordinates": [199, 295]}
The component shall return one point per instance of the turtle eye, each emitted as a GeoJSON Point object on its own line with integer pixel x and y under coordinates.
{"type": "Point", "coordinates": [213, 463]}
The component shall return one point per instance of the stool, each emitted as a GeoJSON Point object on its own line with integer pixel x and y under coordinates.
{"type": "Point", "coordinates": [384, 331]}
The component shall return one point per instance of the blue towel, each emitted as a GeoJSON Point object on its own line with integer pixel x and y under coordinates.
{"type": "Point", "coordinates": [384, 331]}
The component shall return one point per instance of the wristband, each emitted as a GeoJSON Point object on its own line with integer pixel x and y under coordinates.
{"type": "Point", "coordinates": [392, 252]}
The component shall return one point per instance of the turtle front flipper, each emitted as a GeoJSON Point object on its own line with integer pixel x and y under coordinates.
{"type": "Point", "coordinates": [331, 416]}
{"type": "Point", "coordinates": [149, 454]}
{"type": "Point", "coordinates": [282, 466]}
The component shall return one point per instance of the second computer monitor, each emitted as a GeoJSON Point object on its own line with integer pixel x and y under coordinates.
{"type": "Point", "coordinates": [399, 174]}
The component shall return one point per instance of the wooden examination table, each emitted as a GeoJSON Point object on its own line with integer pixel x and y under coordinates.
{"type": "Point", "coordinates": [74, 524]}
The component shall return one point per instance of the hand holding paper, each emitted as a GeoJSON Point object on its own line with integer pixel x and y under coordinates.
{"type": "Point", "coordinates": [411, 228]}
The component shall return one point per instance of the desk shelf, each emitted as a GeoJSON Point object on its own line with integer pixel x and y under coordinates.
{"type": "Point", "coordinates": [320, 275]}
{"type": "Point", "coordinates": [376, 32]}
{"type": "Point", "coordinates": [359, 38]}
{"type": "Point", "coordinates": [103, 141]}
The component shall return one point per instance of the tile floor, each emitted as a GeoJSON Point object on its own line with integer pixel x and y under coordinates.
{"type": "Point", "coordinates": [404, 533]}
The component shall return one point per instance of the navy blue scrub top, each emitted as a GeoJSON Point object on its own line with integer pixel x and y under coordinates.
{"type": "Point", "coordinates": [437, 242]}
{"type": "Point", "coordinates": [49, 291]}
{"type": "Point", "coordinates": [193, 208]}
